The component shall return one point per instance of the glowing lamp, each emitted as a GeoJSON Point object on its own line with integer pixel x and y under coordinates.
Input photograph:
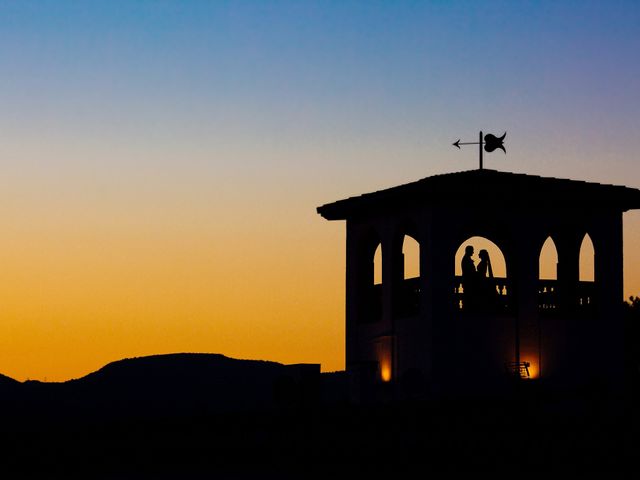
{"type": "Point", "coordinates": [385, 371]}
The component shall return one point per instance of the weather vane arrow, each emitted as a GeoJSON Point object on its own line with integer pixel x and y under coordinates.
{"type": "Point", "coordinates": [490, 143]}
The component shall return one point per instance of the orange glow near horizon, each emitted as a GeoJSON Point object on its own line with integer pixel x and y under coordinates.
{"type": "Point", "coordinates": [87, 283]}
{"type": "Point", "coordinates": [79, 294]}
{"type": "Point", "coordinates": [161, 162]}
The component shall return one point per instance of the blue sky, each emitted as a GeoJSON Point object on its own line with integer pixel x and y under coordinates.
{"type": "Point", "coordinates": [401, 78]}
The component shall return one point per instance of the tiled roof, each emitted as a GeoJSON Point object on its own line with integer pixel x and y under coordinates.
{"type": "Point", "coordinates": [477, 187]}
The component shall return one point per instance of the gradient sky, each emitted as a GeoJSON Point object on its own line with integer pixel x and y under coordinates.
{"type": "Point", "coordinates": [161, 161]}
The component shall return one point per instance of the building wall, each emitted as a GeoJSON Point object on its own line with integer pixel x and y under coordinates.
{"type": "Point", "coordinates": [449, 351]}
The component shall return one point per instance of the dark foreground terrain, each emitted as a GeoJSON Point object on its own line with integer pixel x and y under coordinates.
{"type": "Point", "coordinates": [208, 416]}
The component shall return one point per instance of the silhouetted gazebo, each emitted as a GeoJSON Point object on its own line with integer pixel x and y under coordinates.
{"type": "Point", "coordinates": [425, 334]}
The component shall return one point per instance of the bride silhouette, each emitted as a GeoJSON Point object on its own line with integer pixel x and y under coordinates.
{"type": "Point", "coordinates": [486, 285]}
{"type": "Point", "coordinates": [484, 266]}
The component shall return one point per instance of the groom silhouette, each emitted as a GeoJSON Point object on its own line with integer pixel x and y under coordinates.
{"type": "Point", "coordinates": [469, 277]}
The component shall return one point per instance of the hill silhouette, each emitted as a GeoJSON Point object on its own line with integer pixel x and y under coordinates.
{"type": "Point", "coordinates": [191, 414]}
{"type": "Point", "coordinates": [172, 384]}
{"type": "Point", "coordinates": [4, 380]}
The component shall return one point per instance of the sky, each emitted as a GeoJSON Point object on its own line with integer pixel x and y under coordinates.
{"type": "Point", "coordinates": [161, 161]}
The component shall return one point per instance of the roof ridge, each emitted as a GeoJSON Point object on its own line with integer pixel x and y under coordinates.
{"type": "Point", "coordinates": [522, 187]}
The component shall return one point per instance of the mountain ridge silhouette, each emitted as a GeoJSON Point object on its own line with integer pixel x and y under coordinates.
{"type": "Point", "coordinates": [136, 362]}
{"type": "Point", "coordinates": [166, 384]}
{"type": "Point", "coordinates": [195, 413]}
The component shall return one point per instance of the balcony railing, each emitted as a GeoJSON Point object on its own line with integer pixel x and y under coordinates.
{"type": "Point", "coordinates": [547, 295]}
{"type": "Point", "coordinates": [493, 296]}
{"type": "Point", "coordinates": [582, 300]}
{"type": "Point", "coordinates": [490, 295]}
{"type": "Point", "coordinates": [586, 295]}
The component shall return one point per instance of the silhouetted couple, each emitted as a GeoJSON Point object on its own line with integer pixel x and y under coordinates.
{"type": "Point", "coordinates": [477, 282]}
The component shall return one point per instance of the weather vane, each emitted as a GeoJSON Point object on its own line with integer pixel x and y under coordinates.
{"type": "Point", "coordinates": [490, 142]}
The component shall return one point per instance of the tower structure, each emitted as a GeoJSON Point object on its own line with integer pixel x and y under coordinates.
{"type": "Point", "coordinates": [428, 334]}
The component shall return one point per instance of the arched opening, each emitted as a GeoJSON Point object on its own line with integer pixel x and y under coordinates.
{"type": "Point", "coordinates": [548, 276]}
{"type": "Point", "coordinates": [406, 302]}
{"type": "Point", "coordinates": [498, 262]}
{"type": "Point", "coordinates": [369, 278]}
{"type": "Point", "coordinates": [481, 277]}
{"type": "Point", "coordinates": [377, 265]}
{"type": "Point", "coordinates": [586, 286]}
{"type": "Point", "coordinates": [548, 261]}
{"type": "Point", "coordinates": [411, 254]}
{"type": "Point", "coordinates": [587, 255]}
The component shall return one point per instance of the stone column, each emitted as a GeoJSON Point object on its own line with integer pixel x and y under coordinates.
{"type": "Point", "coordinates": [608, 328]}
{"type": "Point", "coordinates": [351, 295]}
{"type": "Point", "coordinates": [568, 247]}
{"type": "Point", "coordinates": [525, 255]}
{"type": "Point", "coordinates": [440, 270]}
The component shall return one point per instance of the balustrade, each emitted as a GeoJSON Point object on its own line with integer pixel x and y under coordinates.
{"type": "Point", "coordinates": [494, 297]}
{"type": "Point", "coordinates": [488, 295]}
